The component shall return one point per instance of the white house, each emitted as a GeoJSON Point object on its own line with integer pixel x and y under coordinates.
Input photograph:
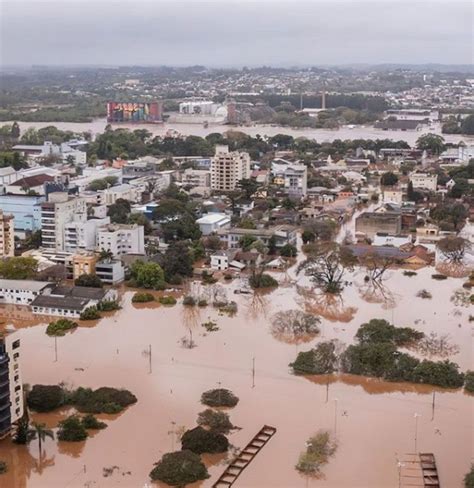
{"type": "Point", "coordinates": [424, 181]}
{"type": "Point", "coordinates": [213, 222]}
{"type": "Point", "coordinates": [121, 239]}
{"type": "Point", "coordinates": [22, 292]}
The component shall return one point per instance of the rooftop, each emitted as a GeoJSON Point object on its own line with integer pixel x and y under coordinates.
{"type": "Point", "coordinates": [29, 285]}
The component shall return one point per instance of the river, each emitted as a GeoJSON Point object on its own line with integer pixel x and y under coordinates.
{"type": "Point", "coordinates": [321, 135]}
{"type": "Point", "coordinates": [374, 420]}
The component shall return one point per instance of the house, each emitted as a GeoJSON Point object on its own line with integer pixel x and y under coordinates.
{"type": "Point", "coordinates": [424, 181]}
{"type": "Point", "coordinates": [110, 272]}
{"type": "Point", "coordinates": [283, 234]}
{"type": "Point", "coordinates": [222, 260]}
{"type": "Point", "coordinates": [250, 259]}
{"type": "Point", "coordinates": [392, 195]}
{"type": "Point", "coordinates": [213, 222]}
{"type": "Point", "coordinates": [369, 223]}
{"type": "Point", "coordinates": [22, 292]}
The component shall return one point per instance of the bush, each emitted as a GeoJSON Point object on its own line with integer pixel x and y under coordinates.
{"type": "Point", "coordinates": [410, 273]}
{"type": "Point", "coordinates": [469, 478]}
{"type": "Point", "coordinates": [44, 398]}
{"type": "Point", "coordinates": [143, 297]}
{"type": "Point", "coordinates": [148, 275]}
{"type": "Point", "coordinates": [319, 449]}
{"type": "Point", "coordinates": [228, 276]}
{"type": "Point", "coordinates": [179, 469]}
{"type": "Point", "coordinates": [320, 360]}
{"type": "Point", "coordinates": [202, 303]}
{"type": "Point", "coordinates": [202, 441]}
{"type": "Point", "coordinates": [210, 326]}
{"type": "Point", "coordinates": [91, 422]}
{"type": "Point", "coordinates": [90, 313]}
{"type": "Point", "coordinates": [3, 467]}
{"type": "Point", "coordinates": [89, 280]}
{"type": "Point", "coordinates": [189, 301]}
{"type": "Point", "coordinates": [440, 373]}
{"type": "Point", "coordinates": [379, 330]}
{"type": "Point", "coordinates": [424, 294]}
{"type": "Point", "coordinates": [215, 421]}
{"type": "Point", "coordinates": [108, 305]}
{"type": "Point", "coordinates": [289, 251]}
{"type": "Point", "coordinates": [229, 308]}
{"type": "Point", "coordinates": [469, 381]}
{"type": "Point", "coordinates": [439, 277]}
{"type": "Point", "coordinates": [71, 429]}
{"type": "Point", "coordinates": [219, 397]}
{"type": "Point", "coordinates": [167, 300]}
{"type": "Point", "coordinates": [102, 400]}
{"type": "Point", "coordinates": [60, 327]}
{"type": "Point", "coordinates": [262, 281]}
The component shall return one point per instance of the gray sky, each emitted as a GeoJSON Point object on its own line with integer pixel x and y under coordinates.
{"type": "Point", "coordinates": [235, 33]}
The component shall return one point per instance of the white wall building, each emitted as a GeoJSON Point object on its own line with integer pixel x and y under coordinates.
{"type": "Point", "coordinates": [424, 181]}
{"type": "Point", "coordinates": [21, 292]}
{"type": "Point", "coordinates": [7, 235]}
{"type": "Point", "coordinates": [121, 239]}
{"type": "Point", "coordinates": [213, 222]}
{"type": "Point", "coordinates": [82, 235]}
{"type": "Point", "coordinates": [196, 177]}
{"type": "Point", "coordinates": [228, 168]}
{"type": "Point", "coordinates": [383, 239]}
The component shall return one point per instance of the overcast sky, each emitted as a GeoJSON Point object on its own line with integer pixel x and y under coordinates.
{"type": "Point", "coordinates": [235, 33]}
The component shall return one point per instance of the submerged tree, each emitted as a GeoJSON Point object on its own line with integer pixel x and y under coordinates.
{"type": "Point", "coordinates": [294, 326]}
{"type": "Point", "coordinates": [179, 469]}
{"type": "Point", "coordinates": [454, 249]}
{"type": "Point", "coordinates": [327, 265]}
{"type": "Point", "coordinates": [319, 448]}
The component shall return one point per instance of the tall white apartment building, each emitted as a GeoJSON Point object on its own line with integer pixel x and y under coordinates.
{"type": "Point", "coordinates": [82, 236]}
{"type": "Point", "coordinates": [59, 210]}
{"type": "Point", "coordinates": [228, 168]}
{"type": "Point", "coordinates": [296, 180]}
{"type": "Point", "coordinates": [7, 235]}
{"type": "Point", "coordinates": [424, 181]}
{"type": "Point", "coordinates": [11, 387]}
{"type": "Point", "coordinates": [121, 239]}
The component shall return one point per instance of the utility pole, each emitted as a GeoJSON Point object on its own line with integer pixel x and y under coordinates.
{"type": "Point", "coordinates": [253, 372]}
{"type": "Point", "coordinates": [55, 349]}
{"type": "Point", "coordinates": [433, 406]}
{"type": "Point", "coordinates": [335, 416]}
{"type": "Point", "coordinates": [327, 388]}
{"type": "Point", "coordinates": [416, 431]}
{"type": "Point", "coordinates": [149, 358]}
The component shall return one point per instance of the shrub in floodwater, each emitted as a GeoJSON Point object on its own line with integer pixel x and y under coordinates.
{"type": "Point", "coordinates": [409, 273]}
{"type": "Point", "coordinates": [44, 398]}
{"type": "Point", "coordinates": [469, 381]}
{"type": "Point", "coordinates": [215, 420]}
{"type": "Point", "coordinates": [294, 326]}
{"type": "Point", "coordinates": [424, 294]}
{"type": "Point", "coordinates": [379, 330]}
{"type": "Point", "coordinates": [89, 421]}
{"type": "Point", "coordinates": [439, 277]}
{"type": "Point", "coordinates": [143, 297]}
{"type": "Point", "coordinates": [90, 313]}
{"type": "Point", "coordinates": [71, 429]}
{"type": "Point", "coordinates": [102, 400]}
{"type": "Point", "coordinates": [108, 305]}
{"type": "Point", "coordinates": [3, 467]}
{"type": "Point", "coordinates": [189, 301]}
{"type": "Point", "coordinates": [202, 441]}
{"type": "Point", "coordinates": [319, 449]}
{"type": "Point", "coordinates": [60, 327]}
{"type": "Point", "coordinates": [167, 300]}
{"type": "Point", "coordinates": [210, 326]}
{"type": "Point", "coordinates": [469, 478]}
{"type": "Point", "coordinates": [322, 359]}
{"type": "Point", "coordinates": [229, 308]}
{"type": "Point", "coordinates": [219, 397]}
{"type": "Point", "coordinates": [228, 276]}
{"type": "Point", "coordinates": [179, 469]}
{"type": "Point", "coordinates": [438, 373]}
{"type": "Point", "coordinates": [202, 303]}
{"type": "Point", "coordinates": [263, 280]}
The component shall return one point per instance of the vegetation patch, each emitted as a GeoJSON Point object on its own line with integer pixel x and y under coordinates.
{"type": "Point", "coordinates": [319, 449]}
{"type": "Point", "coordinates": [202, 302]}
{"type": "Point", "coordinates": [200, 441]}
{"type": "Point", "coordinates": [189, 301]}
{"type": "Point", "coordinates": [294, 326]}
{"type": "Point", "coordinates": [179, 469]}
{"type": "Point", "coordinates": [108, 306]}
{"type": "Point", "coordinates": [60, 327]}
{"type": "Point", "coordinates": [439, 277]}
{"type": "Point", "coordinates": [409, 273]}
{"type": "Point", "coordinates": [210, 326]}
{"type": "Point", "coordinates": [89, 421]}
{"type": "Point", "coordinates": [72, 429]}
{"type": "Point", "coordinates": [219, 397]}
{"type": "Point", "coordinates": [424, 294]}
{"type": "Point", "coordinates": [215, 421]}
{"type": "Point", "coordinates": [469, 478]}
{"type": "Point", "coordinates": [143, 297]}
{"type": "Point", "coordinates": [262, 280]}
{"type": "Point", "coordinates": [90, 313]}
{"type": "Point", "coordinates": [44, 398]}
{"type": "Point", "coordinates": [3, 467]}
{"type": "Point", "coordinates": [167, 300]}
{"type": "Point", "coordinates": [322, 359]}
{"type": "Point", "coordinates": [469, 381]}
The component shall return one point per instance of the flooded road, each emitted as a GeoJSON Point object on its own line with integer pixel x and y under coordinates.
{"type": "Point", "coordinates": [321, 135]}
{"type": "Point", "coordinates": [373, 420]}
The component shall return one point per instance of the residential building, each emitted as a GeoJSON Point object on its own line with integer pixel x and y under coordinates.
{"type": "Point", "coordinates": [196, 177]}
{"type": "Point", "coordinates": [110, 272]}
{"type": "Point", "coordinates": [283, 234]}
{"type": "Point", "coordinates": [213, 222]}
{"type": "Point", "coordinates": [369, 223]}
{"type": "Point", "coordinates": [383, 239]}
{"type": "Point", "coordinates": [121, 239]}
{"type": "Point", "coordinates": [72, 151]}
{"type": "Point", "coordinates": [424, 181]}
{"type": "Point", "coordinates": [82, 235]}
{"type": "Point", "coordinates": [228, 168]}
{"type": "Point", "coordinates": [26, 211]}
{"type": "Point", "coordinates": [295, 180]}
{"type": "Point", "coordinates": [11, 386]}
{"type": "Point", "coordinates": [392, 195]}
{"type": "Point", "coordinates": [7, 235]}
{"type": "Point", "coordinates": [81, 264]}
{"type": "Point", "coordinates": [59, 210]}
{"type": "Point", "coordinates": [21, 292]}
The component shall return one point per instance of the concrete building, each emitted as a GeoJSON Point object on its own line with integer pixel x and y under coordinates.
{"type": "Point", "coordinates": [295, 180]}
{"type": "Point", "coordinates": [82, 235]}
{"type": "Point", "coordinates": [392, 195]}
{"type": "Point", "coordinates": [284, 234]}
{"type": "Point", "coordinates": [228, 168]}
{"type": "Point", "coordinates": [26, 211]}
{"type": "Point", "coordinates": [110, 272]}
{"type": "Point", "coordinates": [11, 386]}
{"type": "Point", "coordinates": [382, 239]}
{"type": "Point", "coordinates": [59, 210]}
{"type": "Point", "coordinates": [424, 181]}
{"type": "Point", "coordinates": [7, 235]}
{"type": "Point", "coordinates": [81, 264]}
{"type": "Point", "coordinates": [121, 239]}
{"type": "Point", "coordinates": [72, 151]}
{"type": "Point", "coordinates": [21, 292]}
{"type": "Point", "coordinates": [369, 223]}
{"type": "Point", "coordinates": [213, 222]}
{"type": "Point", "coordinates": [196, 177]}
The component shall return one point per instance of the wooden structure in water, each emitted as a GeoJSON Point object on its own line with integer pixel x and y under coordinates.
{"type": "Point", "coordinates": [235, 468]}
{"type": "Point", "coordinates": [419, 471]}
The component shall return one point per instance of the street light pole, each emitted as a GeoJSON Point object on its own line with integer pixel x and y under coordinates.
{"type": "Point", "coordinates": [335, 416]}
{"type": "Point", "coordinates": [416, 431]}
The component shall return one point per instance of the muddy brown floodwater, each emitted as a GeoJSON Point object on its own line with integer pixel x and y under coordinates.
{"type": "Point", "coordinates": [374, 420]}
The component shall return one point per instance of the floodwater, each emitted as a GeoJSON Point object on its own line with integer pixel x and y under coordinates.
{"type": "Point", "coordinates": [373, 420]}
{"type": "Point", "coordinates": [321, 135]}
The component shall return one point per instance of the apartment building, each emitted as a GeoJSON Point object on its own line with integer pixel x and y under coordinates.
{"type": "Point", "coordinates": [59, 210]}
{"type": "Point", "coordinates": [228, 168]}
{"type": "Point", "coordinates": [424, 181]}
{"type": "Point", "coordinates": [11, 387]}
{"type": "Point", "coordinates": [26, 211]}
{"type": "Point", "coordinates": [196, 177]}
{"type": "Point", "coordinates": [82, 236]}
{"type": "Point", "coordinates": [121, 239]}
{"type": "Point", "coordinates": [7, 235]}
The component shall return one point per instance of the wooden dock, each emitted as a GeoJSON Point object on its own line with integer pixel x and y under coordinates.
{"type": "Point", "coordinates": [235, 468]}
{"type": "Point", "coordinates": [419, 471]}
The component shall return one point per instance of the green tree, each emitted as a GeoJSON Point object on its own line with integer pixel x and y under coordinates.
{"type": "Point", "coordinates": [72, 429]}
{"type": "Point", "coordinates": [389, 179]}
{"type": "Point", "coordinates": [15, 131]}
{"type": "Point", "coordinates": [249, 187]}
{"type": "Point", "coordinates": [469, 478]}
{"type": "Point", "coordinates": [202, 441]}
{"type": "Point", "coordinates": [431, 142]}
{"type": "Point", "coordinates": [18, 268]}
{"type": "Point", "coordinates": [147, 275]}
{"type": "Point", "coordinates": [89, 280]}
{"type": "Point", "coordinates": [179, 469]}
{"type": "Point", "coordinates": [119, 211]}
{"type": "Point", "coordinates": [322, 359]}
{"type": "Point", "coordinates": [467, 125]}
{"type": "Point", "coordinates": [289, 251]}
{"type": "Point", "coordinates": [246, 242]}
{"type": "Point", "coordinates": [40, 432]}
{"type": "Point", "coordinates": [177, 261]}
